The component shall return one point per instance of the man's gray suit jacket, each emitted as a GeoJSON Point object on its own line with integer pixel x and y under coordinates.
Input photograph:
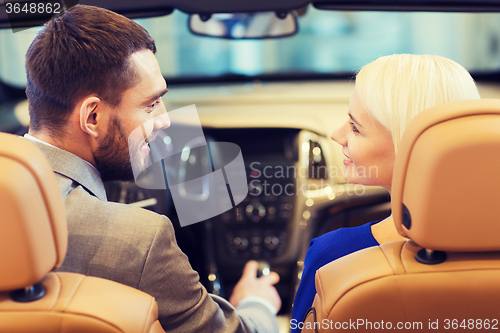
{"type": "Point", "coordinates": [137, 247]}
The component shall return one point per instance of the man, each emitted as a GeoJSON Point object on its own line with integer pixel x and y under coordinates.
{"type": "Point", "coordinates": [92, 79]}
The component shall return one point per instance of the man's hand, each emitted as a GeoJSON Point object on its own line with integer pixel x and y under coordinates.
{"type": "Point", "coordinates": [250, 285]}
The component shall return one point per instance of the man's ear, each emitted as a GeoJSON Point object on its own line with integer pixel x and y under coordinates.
{"type": "Point", "coordinates": [91, 116]}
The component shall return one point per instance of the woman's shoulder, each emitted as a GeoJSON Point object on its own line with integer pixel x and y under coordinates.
{"type": "Point", "coordinates": [345, 235]}
{"type": "Point", "coordinates": [340, 242]}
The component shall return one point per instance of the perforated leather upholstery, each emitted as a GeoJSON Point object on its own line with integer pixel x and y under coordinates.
{"type": "Point", "coordinates": [33, 242]}
{"type": "Point", "coordinates": [447, 175]}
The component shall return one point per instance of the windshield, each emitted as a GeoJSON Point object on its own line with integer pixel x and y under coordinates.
{"type": "Point", "coordinates": [328, 42]}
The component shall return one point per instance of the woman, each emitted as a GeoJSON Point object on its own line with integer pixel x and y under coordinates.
{"type": "Point", "coordinates": [389, 92]}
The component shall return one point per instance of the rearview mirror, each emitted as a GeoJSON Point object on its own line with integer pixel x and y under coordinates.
{"type": "Point", "coordinates": [244, 25]}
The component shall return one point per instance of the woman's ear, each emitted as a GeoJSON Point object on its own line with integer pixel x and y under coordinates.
{"type": "Point", "coordinates": [91, 116]}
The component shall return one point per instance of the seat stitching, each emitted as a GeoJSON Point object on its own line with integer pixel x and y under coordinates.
{"type": "Point", "coordinates": [150, 312]}
{"type": "Point", "coordinates": [73, 294]}
{"type": "Point", "coordinates": [86, 314]}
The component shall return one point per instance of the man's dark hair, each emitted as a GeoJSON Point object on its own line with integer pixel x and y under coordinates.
{"type": "Point", "coordinates": [83, 52]}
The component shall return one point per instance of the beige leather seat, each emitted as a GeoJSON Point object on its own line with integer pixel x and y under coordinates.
{"type": "Point", "coordinates": [446, 199]}
{"type": "Point", "coordinates": [33, 241]}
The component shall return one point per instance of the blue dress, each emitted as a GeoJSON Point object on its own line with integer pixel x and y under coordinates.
{"type": "Point", "coordinates": [322, 250]}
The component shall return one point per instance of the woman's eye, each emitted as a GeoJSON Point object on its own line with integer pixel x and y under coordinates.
{"type": "Point", "coordinates": [354, 129]}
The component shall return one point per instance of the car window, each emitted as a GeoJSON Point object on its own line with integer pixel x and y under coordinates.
{"type": "Point", "coordinates": [13, 48]}
{"type": "Point", "coordinates": [328, 42]}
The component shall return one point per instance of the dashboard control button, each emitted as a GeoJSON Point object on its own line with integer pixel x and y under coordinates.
{"type": "Point", "coordinates": [286, 206]}
{"type": "Point", "coordinates": [256, 240]}
{"type": "Point", "coordinates": [255, 188]}
{"type": "Point", "coordinates": [256, 249]}
{"type": "Point", "coordinates": [241, 243]}
{"type": "Point", "coordinates": [271, 242]}
{"type": "Point", "coordinates": [255, 212]}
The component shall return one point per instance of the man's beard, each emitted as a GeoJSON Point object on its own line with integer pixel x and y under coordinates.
{"type": "Point", "coordinates": [112, 156]}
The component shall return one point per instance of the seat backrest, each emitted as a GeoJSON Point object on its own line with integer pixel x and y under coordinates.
{"type": "Point", "coordinates": [445, 200]}
{"type": "Point", "coordinates": [33, 243]}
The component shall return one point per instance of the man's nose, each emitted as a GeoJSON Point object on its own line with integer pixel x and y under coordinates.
{"type": "Point", "coordinates": [162, 121]}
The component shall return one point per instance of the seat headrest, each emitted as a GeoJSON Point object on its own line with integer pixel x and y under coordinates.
{"type": "Point", "coordinates": [446, 182]}
{"type": "Point", "coordinates": [33, 229]}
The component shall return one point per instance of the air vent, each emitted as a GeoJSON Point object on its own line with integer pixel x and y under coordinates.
{"type": "Point", "coordinates": [317, 163]}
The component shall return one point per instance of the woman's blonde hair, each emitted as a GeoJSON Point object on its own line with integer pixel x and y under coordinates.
{"type": "Point", "coordinates": [395, 88]}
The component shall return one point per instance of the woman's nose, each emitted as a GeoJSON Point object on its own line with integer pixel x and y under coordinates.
{"type": "Point", "coordinates": [339, 135]}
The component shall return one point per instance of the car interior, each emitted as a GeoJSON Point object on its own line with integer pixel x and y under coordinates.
{"type": "Point", "coordinates": [275, 78]}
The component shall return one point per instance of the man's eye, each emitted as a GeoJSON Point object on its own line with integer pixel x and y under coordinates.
{"type": "Point", "coordinates": [354, 129]}
{"type": "Point", "coordinates": [151, 106]}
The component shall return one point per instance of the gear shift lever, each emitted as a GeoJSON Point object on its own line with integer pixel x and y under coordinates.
{"type": "Point", "coordinates": [263, 268]}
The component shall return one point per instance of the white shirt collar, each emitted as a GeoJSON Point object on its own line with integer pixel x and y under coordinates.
{"type": "Point", "coordinates": [31, 137]}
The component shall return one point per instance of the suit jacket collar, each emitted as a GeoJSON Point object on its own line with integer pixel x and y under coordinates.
{"type": "Point", "coordinates": [75, 168]}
